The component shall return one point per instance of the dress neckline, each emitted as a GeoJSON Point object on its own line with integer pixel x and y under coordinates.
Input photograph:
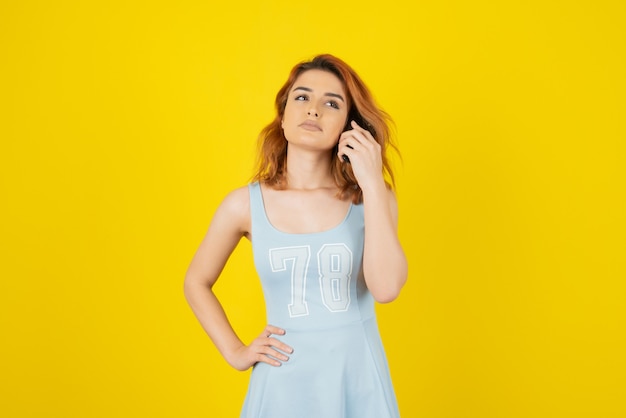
{"type": "Point", "coordinates": [267, 219]}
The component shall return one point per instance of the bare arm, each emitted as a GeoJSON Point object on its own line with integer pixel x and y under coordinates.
{"type": "Point", "coordinates": [230, 223]}
{"type": "Point", "coordinates": [384, 262]}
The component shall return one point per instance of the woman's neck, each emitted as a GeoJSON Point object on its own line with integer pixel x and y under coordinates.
{"type": "Point", "coordinates": [309, 171]}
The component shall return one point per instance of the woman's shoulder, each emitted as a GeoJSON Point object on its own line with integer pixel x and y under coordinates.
{"type": "Point", "coordinates": [237, 199]}
{"type": "Point", "coordinates": [235, 209]}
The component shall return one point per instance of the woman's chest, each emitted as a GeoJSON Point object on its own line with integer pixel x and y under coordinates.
{"type": "Point", "coordinates": [303, 213]}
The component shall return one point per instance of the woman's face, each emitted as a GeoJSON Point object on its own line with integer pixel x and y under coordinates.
{"type": "Point", "coordinates": [316, 111]}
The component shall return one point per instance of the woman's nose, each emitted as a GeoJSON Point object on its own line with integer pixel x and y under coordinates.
{"type": "Point", "coordinates": [313, 112]}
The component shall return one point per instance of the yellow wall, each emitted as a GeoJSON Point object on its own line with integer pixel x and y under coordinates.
{"type": "Point", "coordinates": [124, 123]}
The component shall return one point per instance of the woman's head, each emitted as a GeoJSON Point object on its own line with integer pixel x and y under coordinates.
{"type": "Point", "coordinates": [361, 108]}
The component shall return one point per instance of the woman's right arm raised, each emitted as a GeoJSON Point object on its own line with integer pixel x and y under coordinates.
{"type": "Point", "coordinates": [229, 224]}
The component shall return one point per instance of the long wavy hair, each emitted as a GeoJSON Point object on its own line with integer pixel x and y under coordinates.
{"type": "Point", "coordinates": [272, 156]}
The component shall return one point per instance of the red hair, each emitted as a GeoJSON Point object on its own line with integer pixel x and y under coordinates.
{"type": "Point", "coordinates": [272, 156]}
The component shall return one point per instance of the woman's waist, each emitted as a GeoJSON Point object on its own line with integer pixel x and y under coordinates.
{"type": "Point", "coordinates": [322, 322]}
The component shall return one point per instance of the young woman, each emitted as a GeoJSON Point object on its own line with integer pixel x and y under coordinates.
{"type": "Point", "coordinates": [322, 220]}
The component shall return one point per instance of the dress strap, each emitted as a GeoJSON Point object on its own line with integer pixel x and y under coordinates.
{"type": "Point", "coordinates": [257, 209]}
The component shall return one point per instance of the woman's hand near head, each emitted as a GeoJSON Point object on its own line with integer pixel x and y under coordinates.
{"type": "Point", "coordinates": [384, 262]}
{"type": "Point", "coordinates": [263, 349]}
{"type": "Point", "coordinates": [365, 156]}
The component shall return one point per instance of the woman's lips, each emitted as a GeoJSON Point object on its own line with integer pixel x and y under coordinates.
{"type": "Point", "coordinates": [309, 125]}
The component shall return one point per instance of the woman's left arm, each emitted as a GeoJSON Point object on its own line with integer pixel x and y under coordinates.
{"type": "Point", "coordinates": [384, 262]}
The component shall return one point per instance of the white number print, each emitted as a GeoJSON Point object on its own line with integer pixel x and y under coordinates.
{"type": "Point", "coordinates": [299, 256]}
{"type": "Point", "coordinates": [334, 264]}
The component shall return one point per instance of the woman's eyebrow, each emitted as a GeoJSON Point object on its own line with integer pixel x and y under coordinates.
{"type": "Point", "coordinates": [338, 96]}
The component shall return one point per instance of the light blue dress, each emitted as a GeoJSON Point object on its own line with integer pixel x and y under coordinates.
{"type": "Point", "coordinates": [314, 289]}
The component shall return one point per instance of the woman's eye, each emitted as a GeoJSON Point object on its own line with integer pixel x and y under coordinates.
{"type": "Point", "coordinates": [301, 97]}
{"type": "Point", "coordinates": [333, 104]}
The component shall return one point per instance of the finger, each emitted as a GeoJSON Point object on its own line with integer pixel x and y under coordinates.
{"type": "Point", "coordinates": [272, 352]}
{"type": "Point", "coordinates": [350, 139]}
{"type": "Point", "coordinates": [271, 329]}
{"type": "Point", "coordinates": [352, 147]}
{"type": "Point", "coordinates": [356, 141]}
{"type": "Point", "coordinates": [353, 134]}
{"type": "Point", "coordinates": [273, 342]}
{"type": "Point", "coordinates": [367, 134]}
{"type": "Point", "coordinates": [344, 150]}
{"type": "Point", "coordinates": [262, 358]}
{"type": "Point", "coordinates": [345, 156]}
{"type": "Point", "coordinates": [269, 352]}
{"type": "Point", "coordinates": [360, 141]}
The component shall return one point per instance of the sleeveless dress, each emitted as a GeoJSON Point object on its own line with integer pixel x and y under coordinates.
{"type": "Point", "coordinates": [314, 289]}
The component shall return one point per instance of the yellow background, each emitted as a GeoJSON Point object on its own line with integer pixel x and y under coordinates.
{"type": "Point", "coordinates": [123, 124]}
